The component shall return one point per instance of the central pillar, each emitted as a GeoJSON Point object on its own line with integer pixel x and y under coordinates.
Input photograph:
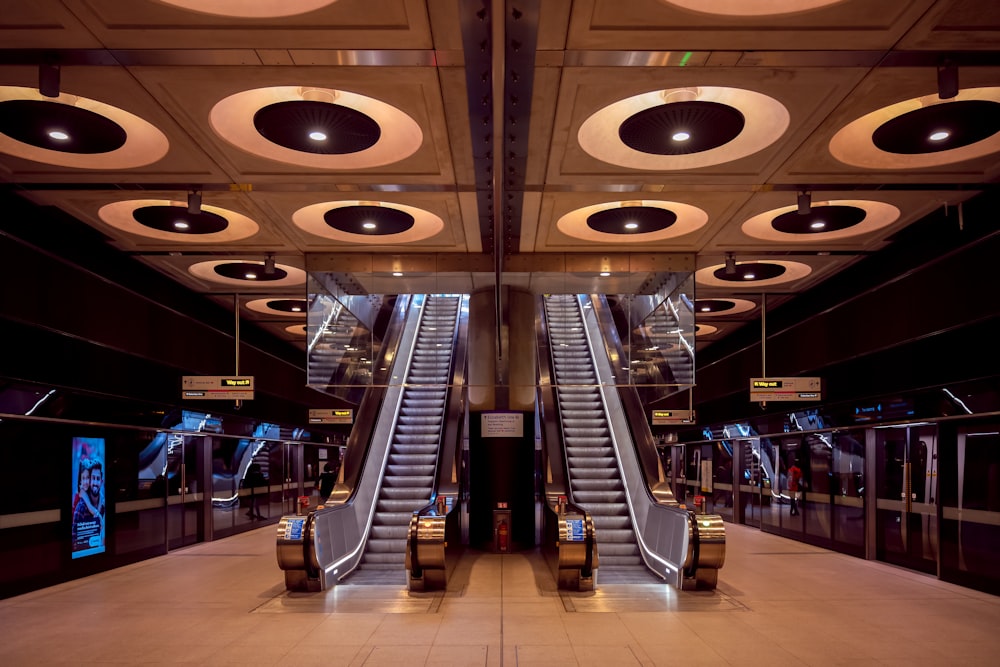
{"type": "Point", "coordinates": [501, 381]}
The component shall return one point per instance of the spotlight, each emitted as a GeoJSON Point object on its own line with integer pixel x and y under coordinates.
{"type": "Point", "coordinates": [947, 79]}
{"type": "Point", "coordinates": [681, 136]}
{"type": "Point", "coordinates": [805, 202]}
{"type": "Point", "coordinates": [194, 202]}
{"type": "Point", "coordinates": [730, 264]}
{"type": "Point", "coordinates": [269, 264]}
{"type": "Point", "coordinates": [48, 80]}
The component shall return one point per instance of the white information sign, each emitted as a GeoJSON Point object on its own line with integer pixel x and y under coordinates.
{"type": "Point", "coordinates": [502, 425]}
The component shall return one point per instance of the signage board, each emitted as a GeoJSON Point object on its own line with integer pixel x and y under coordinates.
{"type": "Point", "coordinates": [323, 416]}
{"type": "Point", "coordinates": [661, 417]}
{"type": "Point", "coordinates": [217, 387]}
{"type": "Point", "coordinates": [502, 425]}
{"type": "Point", "coordinates": [786, 389]}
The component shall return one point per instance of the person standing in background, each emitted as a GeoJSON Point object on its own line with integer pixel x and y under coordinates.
{"type": "Point", "coordinates": [794, 484]}
{"type": "Point", "coordinates": [326, 482]}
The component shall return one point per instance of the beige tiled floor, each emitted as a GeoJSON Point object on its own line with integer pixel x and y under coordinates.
{"type": "Point", "coordinates": [778, 603]}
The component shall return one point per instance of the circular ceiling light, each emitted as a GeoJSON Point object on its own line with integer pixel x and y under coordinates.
{"type": "Point", "coordinates": [751, 7]}
{"type": "Point", "coordinates": [256, 9]}
{"type": "Point", "coordinates": [656, 130]}
{"type": "Point", "coordinates": [159, 218]}
{"type": "Point", "coordinates": [840, 218]}
{"type": "Point", "coordinates": [348, 221]}
{"type": "Point", "coordinates": [369, 220]}
{"type": "Point", "coordinates": [631, 220]}
{"type": "Point", "coordinates": [764, 273]}
{"type": "Point", "coordinates": [902, 135]}
{"type": "Point", "coordinates": [72, 131]}
{"type": "Point", "coordinates": [654, 221]}
{"type": "Point", "coordinates": [918, 131]}
{"type": "Point", "coordinates": [241, 272]}
{"type": "Point", "coordinates": [722, 124]}
{"type": "Point", "coordinates": [283, 307]}
{"type": "Point", "coordinates": [275, 123]}
{"type": "Point", "coordinates": [31, 122]}
{"type": "Point", "coordinates": [712, 307]}
{"type": "Point", "coordinates": [344, 130]}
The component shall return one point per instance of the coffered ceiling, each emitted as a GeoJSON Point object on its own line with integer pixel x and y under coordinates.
{"type": "Point", "coordinates": [302, 121]}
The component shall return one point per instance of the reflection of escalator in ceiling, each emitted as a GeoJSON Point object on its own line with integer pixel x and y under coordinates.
{"type": "Point", "coordinates": [595, 478]}
{"type": "Point", "coordinates": [408, 479]}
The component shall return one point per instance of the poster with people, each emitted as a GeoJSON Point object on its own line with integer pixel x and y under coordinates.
{"type": "Point", "coordinates": [88, 507]}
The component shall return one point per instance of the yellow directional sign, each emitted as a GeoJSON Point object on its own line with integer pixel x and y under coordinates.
{"type": "Point", "coordinates": [217, 387]}
{"type": "Point", "coordinates": [786, 389]}
{"type": "Point", "coordinates": [323, 416]}
{"type": "Point", "coordinates": [661, 417]}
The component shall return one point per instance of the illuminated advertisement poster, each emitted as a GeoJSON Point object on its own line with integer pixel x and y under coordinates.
{"type": "Point", "coordinates": [88, 497]}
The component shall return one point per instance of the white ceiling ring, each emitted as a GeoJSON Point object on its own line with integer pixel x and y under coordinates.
{"type": "Point", "coordinates": [751, 7]}
{"type": "Point", "coordinates": [206, 271]}
{"type": "Point", "coordinates": [766, 120]}
{"type": "Point", "coordinates": [310, 219]}
{"type": "Point", "coordinates": [877, 215]}
{"type": "Point", "coordinates": [689, 219]}
{"type": "Point", "coordinates": [255, 9]}
{"type": "Point", "coordinates": [793, 271]}
{"type": "Point", "coordinates": [232, 119]}
{"type": "Point", "coordinates": [261, 306]}
{"type": "Point", "coordinates": [120, 215]}
{"type": "Point", "coordinates": [853, 144]}
{"type": "Point", "coordinates": [739, 306]}
{"type": "Point", "coordinates": [144, 143]}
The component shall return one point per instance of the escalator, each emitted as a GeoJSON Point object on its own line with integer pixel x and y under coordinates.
{"type": "Point", "coordinates": [363, 538]}
{"type": "Point", "coordinates": [640, 530]}
{"type": "Point", "coordinates": [408, 480]}
{"type": "Point", "coordinates": [595, 479]}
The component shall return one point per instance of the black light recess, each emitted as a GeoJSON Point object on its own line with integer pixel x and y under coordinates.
{"type": "Point", "coordinates": [288, 305]}
{"type": "Point", "coordinates": [60, 127]}
{"type": "Point", "coordinates": [939, 127]}
{"type": "Point", "coordinates": [178, 220]}
{"type": "Point", "coordinates": [707, 125]}
{"type": "Point", "coordinates": [644, 218]}
{"type": "Point", "coordinates": [244, 271]}
{"type": "Point", "coordinates": [713, 305]}
{"type": "Point", "coordinates": [353, 220]}
{"type": "Point", "coordinates": [744, 271]}
{"type": "Point", "coordinates": [820, 219]}
{"type": "Point", "coordinates": [292, 124]}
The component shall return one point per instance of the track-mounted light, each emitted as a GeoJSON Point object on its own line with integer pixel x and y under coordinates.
{"type": "Point", "coordinates": [194, 202]}
{"type": "Point", "coordinates": [48, 80]}
{"type": "Point", "coordinates": [947, 79]}
{"type": "Point", "coordinates": [805, 203]}
{"type": "Point", "coordinates": [730, 264]}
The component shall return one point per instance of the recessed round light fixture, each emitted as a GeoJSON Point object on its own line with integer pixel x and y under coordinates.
{"type": "Point", "coordinates": [641, 221]}
{"type": "Point", "coordinates": [354, 221]}
{"type": "Point", "coordinates": [680, 136]}
{"type": "Point", "coordinates": [757, 273]}
{"type": "Point", "coordinates": [168, 220]}
{"type": "Point", "coordinates": [284, 307]}
{"type": "Point", "coordinates": [316, 135]}
{"type": "Point", "coordinates": [74, 131]}
{"type": "Point", "coordinates": [840, 218]}
{"type": "Point", "coordinates": [605, 274]}
{"type": "Point", "coordinates": [713, 307]}
{"type": "Point", "coordinates": [908, 135]}
{"type": "Point", "coordinates": [722, 124]}
{"type": "Point", "coordinates": [238, 272]}
{"type": "Point", "coordinates": [397, 274]}
{"type": "Point", "coordinates": [276, 123]}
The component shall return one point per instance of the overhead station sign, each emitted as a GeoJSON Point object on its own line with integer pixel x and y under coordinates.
{"type": "Point", "coordinates": [217, 387]}
{"type": "Point", "coordinates": [323, 416]}
{"type": "Point", "coordinates": [663, 417]}
{"type": "Point", "coordinates": [786, 389]}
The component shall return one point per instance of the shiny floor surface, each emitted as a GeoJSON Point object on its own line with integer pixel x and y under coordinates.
{"type": "Point", "coordinates": [778, 602]}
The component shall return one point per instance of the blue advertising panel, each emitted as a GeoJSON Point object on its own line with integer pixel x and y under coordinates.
{"type": "Point", "coordinates": [88, 508]}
